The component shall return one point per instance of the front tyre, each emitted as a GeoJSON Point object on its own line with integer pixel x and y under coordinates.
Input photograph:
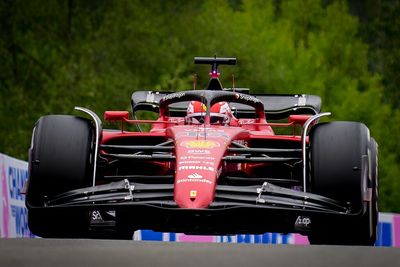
{"type": "Point", "coordinates": [342, 163]}
{"type": "Point", "coordinates": [59, 161]}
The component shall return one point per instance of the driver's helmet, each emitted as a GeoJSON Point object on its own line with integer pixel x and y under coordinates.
{"type": "Point", "coordinates": [220, 113]}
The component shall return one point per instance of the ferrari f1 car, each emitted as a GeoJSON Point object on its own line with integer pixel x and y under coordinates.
{"type": "Point", "coordinates": [202, 170]}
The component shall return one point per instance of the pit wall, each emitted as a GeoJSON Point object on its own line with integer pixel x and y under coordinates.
{"type": "Point", "coordinates": [13, 217]}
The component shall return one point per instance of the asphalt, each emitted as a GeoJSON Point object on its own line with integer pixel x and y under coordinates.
{"type": "Point", "coordinates": [79, 252]}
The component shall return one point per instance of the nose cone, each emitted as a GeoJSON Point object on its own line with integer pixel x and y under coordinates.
{"type": "Point", "coordinates": [194, 189]}
{"type": "Point", "coordinates": [199, 152]}
{"type": "Point", "coordinates": [197, 164]}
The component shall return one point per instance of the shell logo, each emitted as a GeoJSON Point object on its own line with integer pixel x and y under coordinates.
{"type": "Point", "coordinates": [202, 144]}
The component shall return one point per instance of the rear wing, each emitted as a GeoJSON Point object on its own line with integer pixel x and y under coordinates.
{"type": "Point", "coordinates": [277, 106]}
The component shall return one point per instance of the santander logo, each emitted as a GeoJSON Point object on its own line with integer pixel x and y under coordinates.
{"type": "Point", "coordinates": [195, 176]}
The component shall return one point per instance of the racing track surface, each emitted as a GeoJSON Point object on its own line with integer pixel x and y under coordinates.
{"type": "Point", "coordinates": [54, 252]}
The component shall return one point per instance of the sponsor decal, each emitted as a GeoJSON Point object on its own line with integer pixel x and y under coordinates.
{"type": "Point", "coordinates": [189, 162]}
{"type": "Point", "coordinates": [20, 218]}
{"type": "Point", "coordinates": [96, 217]}
{"type": "Point", "coordinates": [202, 129]}
{"type": "Point", "coordinates": [203, 144]}
{"type": "Point", "coordinates": [195, 176]}
{"type": "Point", "coordinates": [199, 151]}
{"type": "Point", "coordinates": [303, 220]}
{"type": "Point", "coordinates": [202, 158]}
{"type": "Point", "coordinates": [188, 180]}
{"type": "Point", "coordinates": [203, 168]}
{"type": "Point", "coordinates": [302, 223]}
{"type": "Point", "coordinates": [248, 98]}
{"type": "Point", "coordinates": [196, 159]}
{"type": "Point", "coordinates": [16, 180]}
{"type": "Point", "coordinates": [174, 95]}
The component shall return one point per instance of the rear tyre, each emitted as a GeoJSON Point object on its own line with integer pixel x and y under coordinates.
{"type": "Point", "coordinates": [59, 161]}
{"type": "Point", "coordinates": [342, 158]}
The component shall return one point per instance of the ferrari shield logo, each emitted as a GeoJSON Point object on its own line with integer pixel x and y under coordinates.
{"type": "Point", "coordinates": [193, 193]}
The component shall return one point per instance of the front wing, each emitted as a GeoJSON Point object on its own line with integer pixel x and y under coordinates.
{"type": "Point", "coordinates": [236, 209]}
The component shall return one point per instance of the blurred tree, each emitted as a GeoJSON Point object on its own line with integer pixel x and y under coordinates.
{"type": "Point", "coordinates": [380, 28]}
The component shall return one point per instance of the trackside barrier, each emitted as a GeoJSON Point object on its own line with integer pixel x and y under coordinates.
{"type": "Point", "coordinates": [13, 217]}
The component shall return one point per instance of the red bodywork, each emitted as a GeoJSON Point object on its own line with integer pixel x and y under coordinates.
{"type": "Point", "coordinates": [199, 150]}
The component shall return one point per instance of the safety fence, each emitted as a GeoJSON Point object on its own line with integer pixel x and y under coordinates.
{"type": "Point", "coordinates": [13, 217]}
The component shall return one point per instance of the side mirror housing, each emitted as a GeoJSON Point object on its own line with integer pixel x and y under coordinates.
{"type": "Point", "coordinates": [116, 115]}
{"type": "Point", "coordinates": [299, 119]}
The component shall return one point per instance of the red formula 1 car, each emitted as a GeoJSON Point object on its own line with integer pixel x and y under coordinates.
{"type": "Point", "coordinates": [212, 163]}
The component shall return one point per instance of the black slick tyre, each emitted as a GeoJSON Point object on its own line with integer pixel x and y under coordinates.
{"type": "Point", "coordinates": [59, 160]}
{"type": "Point", "coordinates": [341, 163]}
